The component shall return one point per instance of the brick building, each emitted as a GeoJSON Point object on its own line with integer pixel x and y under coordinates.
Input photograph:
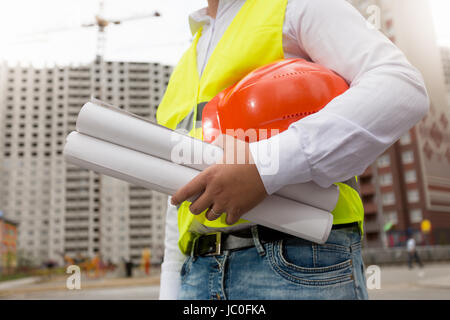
{"type": "Point", "coordinates": [8, 248]}
{"type": "Point", "coordinates": [410, 182]}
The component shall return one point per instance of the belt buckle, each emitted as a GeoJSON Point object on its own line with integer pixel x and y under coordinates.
{"type": "Point", "coordinates": [218, 250]}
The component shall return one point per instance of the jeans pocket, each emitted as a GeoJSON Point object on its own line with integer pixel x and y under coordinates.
{"type": "Point", "coordinates": [185, 268]}
{"type": "Point", "coordinates": [296, 265]}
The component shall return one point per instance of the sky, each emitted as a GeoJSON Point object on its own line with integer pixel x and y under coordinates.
{"type": "Point", "coordinates": [162, 39]}
{"type": "Point", "coordinates": [441, 15]}
{"type": "Point", "coordinates": [156, 39]}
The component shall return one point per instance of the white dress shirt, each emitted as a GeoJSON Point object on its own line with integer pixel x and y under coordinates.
{"type": "Point", "coordinates": [387, 97]}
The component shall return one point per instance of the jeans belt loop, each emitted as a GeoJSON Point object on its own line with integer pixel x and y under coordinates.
{"type": "Point", "coordinates": [259, 246]}
{"type": "Point", "coordinates": [194, 244]}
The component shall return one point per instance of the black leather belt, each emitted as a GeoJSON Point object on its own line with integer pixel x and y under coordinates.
{"type": "Point", "coordinates": [214, 243]}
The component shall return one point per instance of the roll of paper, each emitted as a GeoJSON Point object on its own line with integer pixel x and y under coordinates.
{"type": "Point", "coordinates": [139, 168]}
{"type": "Point", "coordinates": [133, 132]}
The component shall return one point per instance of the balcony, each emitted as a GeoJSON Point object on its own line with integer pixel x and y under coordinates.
{"type": "Point", "coordinates": [77, 223]}
{"type": "Point", "coordinates": [136, 244]}
{"type": "Point", "coordinates": [138, 191]}
{"type": "Point", "coordinates": [77, 183]}
{"type": "Point", "coordinates": [76, 194]}
{"type": "Point", "coordinates": [367, 189]}
{"type": "Point", "coordinates": [367, 173]}
{"type": "Point", "coordinates": [77, 204]}
{"type": "Point", "coordinates": [77, 216]}
{"type": "Point", "coordinates": [140, 232]}
{"type": "Point", "coordinates": [134, 211]}
{"type": "Point", "coordinates": [76, 244]}
{"type": "Point", "coordinates": [370, 208]}
{"type": "Point", "coordinates": [140, 202]}
{"type": "Point", "coordinates": [141, 218]}
{"type": "Point", "coordinates": [76, 234]}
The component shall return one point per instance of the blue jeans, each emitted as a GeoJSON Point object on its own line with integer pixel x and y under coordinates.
{"type": "Point", "coordinates": [285, 269]}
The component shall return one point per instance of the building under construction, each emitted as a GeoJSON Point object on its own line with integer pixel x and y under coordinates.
{"type": "Point", "coordinates": [63, 209]}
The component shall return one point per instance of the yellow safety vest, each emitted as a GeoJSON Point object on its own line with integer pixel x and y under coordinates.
{"type": "Point", "coordinates": [253, 39]}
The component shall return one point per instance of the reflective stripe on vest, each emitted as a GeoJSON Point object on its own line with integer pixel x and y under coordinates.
{"type": "Point", "coordinates": [253, 39]}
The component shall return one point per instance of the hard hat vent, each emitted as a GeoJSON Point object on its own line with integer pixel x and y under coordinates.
{"type": "Point", "coordinates": [289, 74]}
{"type": "Point", "coordinates": [296, 115]}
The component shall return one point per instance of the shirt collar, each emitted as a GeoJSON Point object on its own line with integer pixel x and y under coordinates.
{"type": "Point", "coordinates": [197, 19]}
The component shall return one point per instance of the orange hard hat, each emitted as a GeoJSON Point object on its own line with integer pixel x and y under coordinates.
{"type": "Point", "coordinates": [271, 97]}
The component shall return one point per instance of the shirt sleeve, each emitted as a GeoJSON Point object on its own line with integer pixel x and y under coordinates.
{"type": "Point", "coordinates": [173, 257]}
{"type": "Point", "coordinates": [387, 97]}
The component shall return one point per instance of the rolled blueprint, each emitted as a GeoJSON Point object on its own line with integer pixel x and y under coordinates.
{"type": "Point", "coordinates": [139, 168]}
{"type": "Point", "coordinates": [133, 132]}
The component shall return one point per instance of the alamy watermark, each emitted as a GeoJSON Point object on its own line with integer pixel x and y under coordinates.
{"type": "Point", "coordinates": [233, 148]}
{"type": "Point", "coordinates": [374, 18]}
{"type": "Point", "coordinates": [373, 277]}
{"type": "Point", "coordinates": [73, 282]}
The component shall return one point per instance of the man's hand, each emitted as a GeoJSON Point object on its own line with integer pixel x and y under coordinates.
{"type": "Point", "coordinates": [232, 187]}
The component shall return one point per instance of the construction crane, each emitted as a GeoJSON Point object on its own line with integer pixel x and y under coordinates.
{"type": "Point", "coordinates": [102, 23]}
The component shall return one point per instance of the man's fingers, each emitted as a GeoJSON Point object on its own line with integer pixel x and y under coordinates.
{"type": "Point", "coordinates": [194, 187]}
{"type": "Point", "coordinates": [214, 213]}
{"type": "Point", "coordinates": [233, 216]}
{"type": "Point", "coordinates": [202, 203]}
